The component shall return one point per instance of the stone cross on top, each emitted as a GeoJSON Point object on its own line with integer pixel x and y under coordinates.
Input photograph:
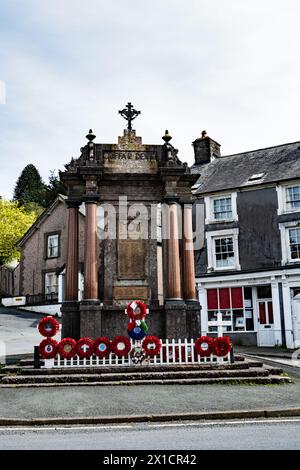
{"type": "Point", "coordinates": [129, 113]}
{"type": "Point", "coordinates": [219, 323]}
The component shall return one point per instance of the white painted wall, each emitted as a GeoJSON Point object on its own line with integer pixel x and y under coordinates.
{"type": "Point", "coordinates": [45, 309]}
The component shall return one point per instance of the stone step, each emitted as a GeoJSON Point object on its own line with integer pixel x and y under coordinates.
{"type": "Point", "coordinates": [137, 376]}
{"type": "Point", "coordinates": [239, 380]}
{"type": "Point", "coordinates": [125, 369]}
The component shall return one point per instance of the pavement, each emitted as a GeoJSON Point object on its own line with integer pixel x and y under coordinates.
{"type": "Point", "coordinates": [92, 401]}
{"type": "Point", "coordinates": [266, 352]}
{"type": "Point", "coordinates": [239, 435]}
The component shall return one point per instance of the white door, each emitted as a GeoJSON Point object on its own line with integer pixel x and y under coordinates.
{"type": "Point", "coordinates": [266, 336]}
{"type": "Point", "coordinates": [296, 320]}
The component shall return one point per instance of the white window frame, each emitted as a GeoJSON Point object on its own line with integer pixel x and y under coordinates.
{"type": "Point", "coordinates": [285, 242]}
{"type": "Point", "coordinates": [54, 235]}
{"type": "Point", "coordinates": [52, 273]}
{"type": "Point", "coordinates": [211, 258]}
{"type": "Point", "coordinates": [281, 195]}
{"type": "Point", "coordinates": [209, 208]}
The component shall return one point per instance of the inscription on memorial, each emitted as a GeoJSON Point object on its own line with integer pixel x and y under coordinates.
{"type": "Point", "coordinates": [130, 292]}
{"type": "Point", "coordinates": [130, 162]}
{"type": "Point", "coordinates": [131, 259]}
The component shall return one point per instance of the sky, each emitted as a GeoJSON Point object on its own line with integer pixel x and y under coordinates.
{"type": "Point", "coordinates": [230, 67]}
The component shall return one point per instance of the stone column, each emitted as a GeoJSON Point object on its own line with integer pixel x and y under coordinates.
{"type": "Point", "coordinates": [90, 253]}
{"type": "Point", "coordinates": [90, 309]}
{"type": "Point", "coordinates": [71, 284]}
{"type": "Point", "coordinates": [189, 282]}
{"type": "Point", "coordinates": [70, 309]}
{"type": "Point", "coordinates": [173, 258]}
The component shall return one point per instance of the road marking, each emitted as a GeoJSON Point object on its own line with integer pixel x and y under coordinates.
{"type": "Point", "coordinates": [149, 425]}
{"type": "Point", "coordinates": [228, 423]}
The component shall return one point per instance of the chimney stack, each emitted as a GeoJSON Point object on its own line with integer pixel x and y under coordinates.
{"type": "Point", "coordinates": [206, 149]}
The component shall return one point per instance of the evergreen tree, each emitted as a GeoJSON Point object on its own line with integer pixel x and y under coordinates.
{"type": "Point", "coordinates": [54, 188]}
{"type": "Point", "coordinates": [30, 187]}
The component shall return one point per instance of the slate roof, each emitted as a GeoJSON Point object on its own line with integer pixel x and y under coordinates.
{"type": "Point", "coordinates": [233, 171]}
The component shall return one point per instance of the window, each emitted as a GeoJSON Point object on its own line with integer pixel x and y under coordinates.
{"type": "Point", "coordinates": [293, 197]}
{"type": "Point", "coordinates": [236, 306]}
{"type": "Point", "coordinates": [288, 198]}
{"type": "Point", "coordinates": [290, 242]}
{"type": "Point", "coordinates": [294, 242]}
{"type": "Point", "coordinates": [51, 283]}
{"type": "Point", "coordinates": [53, 246]}
{"type": "Point", "coordinates": [222, 209]}
{"type": "Point", "coordinates": [222, 250]}
{"type": "Point", "coordinates": [256, 177]}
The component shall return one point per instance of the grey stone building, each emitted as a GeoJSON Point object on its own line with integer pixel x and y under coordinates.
{"type": "Point", "coordinates": [248, 261]}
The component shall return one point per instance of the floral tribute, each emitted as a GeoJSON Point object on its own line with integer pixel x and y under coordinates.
{"type": "Point", "coordinates": [48, 348]}
{"type": "Point", "coordinates": [137, 327]}
{"type": "Point", "coordinates": [84, 347]}
{"type": "Point", "coordinates": [121, 346]}
{"type": "Point", "coordinates": [152, 346]}
{"type": "Point", "coordinates": [48, 327]}
{"type": "Point", "coordinates": [67, 348]}
{"type": "Point", "coordinates": [102, 347]}
{"type": "Point", "coordinates": [222, 346]}
{"type": "Point", "coordinates": [205, 346]}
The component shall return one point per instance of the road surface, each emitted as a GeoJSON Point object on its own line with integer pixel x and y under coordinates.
{"type": "Point", "coordinates": [270, 434]}
{"type": "Point", "coordinates": [18, 331]}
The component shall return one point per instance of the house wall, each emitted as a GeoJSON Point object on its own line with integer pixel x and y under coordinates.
{"type": "Point", "coordinates": [34, 264]}
{"type": "Point", "coordinates": [259, 235]}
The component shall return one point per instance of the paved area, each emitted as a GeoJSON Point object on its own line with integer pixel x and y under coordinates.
{"type": "Point", "coordinates": [268, 352]}
{"type": "Point", "coordinates": [18, 331]}
{"type": "Point", "coordinates": [273, 435]}
{"type": "Point", "coordinates": [93, 401]}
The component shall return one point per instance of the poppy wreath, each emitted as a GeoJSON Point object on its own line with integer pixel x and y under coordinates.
{"type": "Point", "coordinates": [222, 346]}
{"type": "Point", "coordinates": [141, 315]}
{"type": "Point", "coordinates": [121, 346]}
{"type": "Point", "coordinates": [149, 342]}
{"type": "Point", "coordinates": [67, 348]}
{"type": "Point", "coordinates": [102, 347]}
{"type": "Point", "coordinates": [48, 327]}
{"type": "Point", "coordinates": [137, 330]}
{"type": "Point", "coordinates": [84, 347]}
{"type": "Point", "coordinates": [48, 348]}
{"type": "Point", "coordinates": [204, 346]}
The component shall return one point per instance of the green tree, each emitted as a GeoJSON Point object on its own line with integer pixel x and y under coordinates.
{"type": "Point", "coordinates": [30, 187]}
{"type": "Point", "coordinates": [54, 188]}
{"type": "Point", "coordinates": [14, 223]}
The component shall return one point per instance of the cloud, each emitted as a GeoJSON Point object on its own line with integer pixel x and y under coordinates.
{"type": "Point", "coordinates": [227, 66]}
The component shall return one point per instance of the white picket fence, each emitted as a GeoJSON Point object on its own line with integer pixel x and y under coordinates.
{"type": "Point", "coordinates": [172, 352]}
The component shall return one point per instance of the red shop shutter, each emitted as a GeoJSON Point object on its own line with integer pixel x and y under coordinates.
{"type": "Point", "coordinates": [224, 298]}
{"type": "Point", "coordinates": [237, 297]}
{"type": "Point", "coordinates": [212, 299]}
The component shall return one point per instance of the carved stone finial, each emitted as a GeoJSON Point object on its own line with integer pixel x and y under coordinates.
{"type": "Point", "coordinates": [204, 135]}
{"type": "Point", "coordinates": [90, 136]}
{"type": "Point", "coordinates": [167, 137]}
